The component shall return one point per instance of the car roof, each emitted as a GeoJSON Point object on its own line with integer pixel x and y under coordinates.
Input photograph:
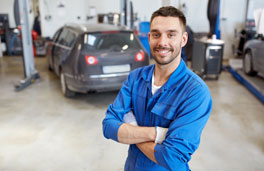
{"type": "Point", "coordinates": [85, 28]}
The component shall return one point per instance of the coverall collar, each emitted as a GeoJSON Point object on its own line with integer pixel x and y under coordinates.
{"type": "Point", "coordinates": [177, 75]}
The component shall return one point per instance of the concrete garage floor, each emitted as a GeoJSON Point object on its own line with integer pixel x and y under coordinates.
{"type": "Point", "coordinates": [40, 130]}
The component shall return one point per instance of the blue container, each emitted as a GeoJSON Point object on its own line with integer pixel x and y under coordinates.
{"type": "Point", "coordinates": [145, 43]}
{"type": "Point", "coordinates": [144, 27]}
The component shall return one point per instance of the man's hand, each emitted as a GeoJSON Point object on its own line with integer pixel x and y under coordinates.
{"type": "Point", "coordinates": [161, 134]}
{"type": "Point", "coordinates": [130, 118]}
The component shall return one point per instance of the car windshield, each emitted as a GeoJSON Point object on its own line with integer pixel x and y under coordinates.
{"type": "Point", "coordinates": [113, 41]}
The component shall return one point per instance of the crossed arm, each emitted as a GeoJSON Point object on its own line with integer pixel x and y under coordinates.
{"type": "Point", "coordinates": [143, 137]}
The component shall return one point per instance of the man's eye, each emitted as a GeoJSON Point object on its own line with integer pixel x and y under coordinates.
{"type": "Point", "coordinates": [155, 35]}
{"type": "Point", "coordinates": [171, 35]}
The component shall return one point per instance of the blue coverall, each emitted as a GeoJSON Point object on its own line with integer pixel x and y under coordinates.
{"type": "Point", "coordinates": [183, 105]}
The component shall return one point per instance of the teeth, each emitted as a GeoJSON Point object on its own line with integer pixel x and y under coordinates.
{"type": "Point", "coordinates": [164, 51]}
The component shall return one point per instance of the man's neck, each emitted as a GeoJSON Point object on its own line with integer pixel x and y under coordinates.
{"type": "Point", "coordinates": [163, 72]}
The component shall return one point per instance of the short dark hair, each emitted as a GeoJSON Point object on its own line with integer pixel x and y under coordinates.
{"type": "Point", "coordinates": [169, 11]}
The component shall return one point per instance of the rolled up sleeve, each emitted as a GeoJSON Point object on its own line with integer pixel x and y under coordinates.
{"type": "Point", "coordinates": [183, 136]}
{"type": "Point", "coordinates": [115, 112]}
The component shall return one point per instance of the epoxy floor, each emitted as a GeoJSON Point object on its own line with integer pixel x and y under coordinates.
{"type": "Point", "coordinates": [40, 130]}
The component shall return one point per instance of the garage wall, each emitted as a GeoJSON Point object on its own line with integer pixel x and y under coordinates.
{"type": "Point", "coordinates": [106, 6]}
{"type": "Point", "coordinates": [141, 7]}
{"type": "Point", "coordinates": [232, 17]}
{"type": "Point", "coordinates": [233, 14]}
{"type": "Point", "coordinates": [53, 16]}
{"type": "Point", "coordinates": [145, 9]}
{"type": "Point", "coordinates": [195, 12]}
{"type": "Point", "coordinates": [7, 7]}
{"type": "Point", "coordinates": [55, 13]}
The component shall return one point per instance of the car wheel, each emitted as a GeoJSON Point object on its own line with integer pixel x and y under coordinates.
{"type": "Point", "coordinates": [247, 64]}
{"type": "Point", "coordinates": [50, 69]}
{"type": "Point", "coordinates": [49, 64]}
{"type": "Point", "coordinates": [65, 91]}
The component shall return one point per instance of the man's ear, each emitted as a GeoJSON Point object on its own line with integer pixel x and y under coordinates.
{"type": "Point", "coordinates": [149, 36]}
{"type": "Point", "coordinates": [184, 39]}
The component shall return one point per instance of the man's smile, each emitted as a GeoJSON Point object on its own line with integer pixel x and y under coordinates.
{"type": "Point", "coordinates": [163, 51]}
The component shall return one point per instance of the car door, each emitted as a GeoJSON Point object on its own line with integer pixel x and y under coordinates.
{"type": "Point", "coordinates": [51, 47]}
{"type": "Point", "coordinates": [70, 64]}
{"type": "Point", "coordinates": [259, 51]}
{"type": "Point", "coordinates": [59, 50]}
{"type": "Point", "coordinates": [68, 55]}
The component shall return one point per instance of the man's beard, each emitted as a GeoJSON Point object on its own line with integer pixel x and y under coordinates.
{"type": "Point", "coordinates": [171, 57]}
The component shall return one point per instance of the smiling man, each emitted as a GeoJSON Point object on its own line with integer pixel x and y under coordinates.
{"type": "Point", "coordinates": [161, 109]}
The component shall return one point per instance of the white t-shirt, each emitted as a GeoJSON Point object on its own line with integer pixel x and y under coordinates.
{"type": "Point", "coordinates": [154, 88]}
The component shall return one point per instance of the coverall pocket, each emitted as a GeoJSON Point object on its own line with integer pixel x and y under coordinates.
{"type": "Point", "coordinates": [164, 114]}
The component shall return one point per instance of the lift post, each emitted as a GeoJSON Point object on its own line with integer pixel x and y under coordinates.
{"type": "Point", "coordinates": [30, 73]}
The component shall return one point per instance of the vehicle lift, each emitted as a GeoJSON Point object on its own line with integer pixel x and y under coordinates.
{"type": "Point", "coordinates": [254, 84]}
{"type": "Point", "coordinates": [22, 20]}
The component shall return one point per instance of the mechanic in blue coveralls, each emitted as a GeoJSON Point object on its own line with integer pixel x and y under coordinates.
{"type": "Point", "coordinates": [161, 109]}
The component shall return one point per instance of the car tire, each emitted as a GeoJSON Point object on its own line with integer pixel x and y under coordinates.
{"type": "Point", "coordinates": [248, 64]}
{"type": "Point", "coordinates": [49, 65]}
{"type": "Point", "coordinates": [50, 69]}
{"type": "Point", "coordinates": [64, 88]}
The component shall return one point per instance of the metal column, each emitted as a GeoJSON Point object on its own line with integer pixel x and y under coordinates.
{"type": "Point", "coordinates": [31, 74]}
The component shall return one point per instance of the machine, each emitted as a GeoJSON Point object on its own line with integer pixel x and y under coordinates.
{"type": "Point", "coordinates": [208, 51]}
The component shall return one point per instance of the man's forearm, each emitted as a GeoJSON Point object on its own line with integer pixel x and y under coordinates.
{"type": "Point", "coordinates": [129, 134]}
{"type": "Point", "coordinates": [148, 149]}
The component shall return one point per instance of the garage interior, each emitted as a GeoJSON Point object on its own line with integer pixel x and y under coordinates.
{"type": "Point", "coordinates": [40, 129]}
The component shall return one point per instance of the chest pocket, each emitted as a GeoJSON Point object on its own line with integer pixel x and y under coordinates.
{"type": "Point", "coordinates": [164, 114]}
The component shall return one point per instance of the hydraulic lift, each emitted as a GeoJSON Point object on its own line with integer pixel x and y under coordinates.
{"type": "Point", "coordinates": [254, 84]}
{"type": "Point", "coordinates": [22, 20]}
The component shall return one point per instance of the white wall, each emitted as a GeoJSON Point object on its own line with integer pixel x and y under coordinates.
{"type": "Point", "coordinates": [195, 12]}
{"type": "Point", "coordinates": [232, 17]}
{"type": "Point", "coordinates": [232, 14]}
{"type": "Point", "coordinates": [61, 15]}
{"type": "Point", "coordinates": [49, 7]}
{"type": "Point", "coordinates": [142, 7]}
{"type": "Point", "coordinates": [7, 6]}
{"type": "Point", "coordinates": [145, 8]}
{"type": "Point", "coordinates": [106, 6]}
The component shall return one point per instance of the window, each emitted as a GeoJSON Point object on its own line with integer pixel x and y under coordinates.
{"type": "Point", "coordinates": [62, 37]}
{"type": "Point", "coordinates": [115, 41]}
{"type": "Point", "coordinates": [56, 35]}
{"type": "Point", "coordinates": [70, 38]}
{"type": "Point", "coordinates": [67, 37]}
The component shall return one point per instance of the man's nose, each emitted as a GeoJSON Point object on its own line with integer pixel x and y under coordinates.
{"type": "Point", "coordinates": [163, 40]}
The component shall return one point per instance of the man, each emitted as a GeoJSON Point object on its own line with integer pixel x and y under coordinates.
{"type": "Point", "coordinates": [161, 109]}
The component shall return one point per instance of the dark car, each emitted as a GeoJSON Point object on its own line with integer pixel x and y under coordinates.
{"type": "Point", "coordinates": [254, 56]}
{"type": "Point", "coordinates": [94, 57]}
